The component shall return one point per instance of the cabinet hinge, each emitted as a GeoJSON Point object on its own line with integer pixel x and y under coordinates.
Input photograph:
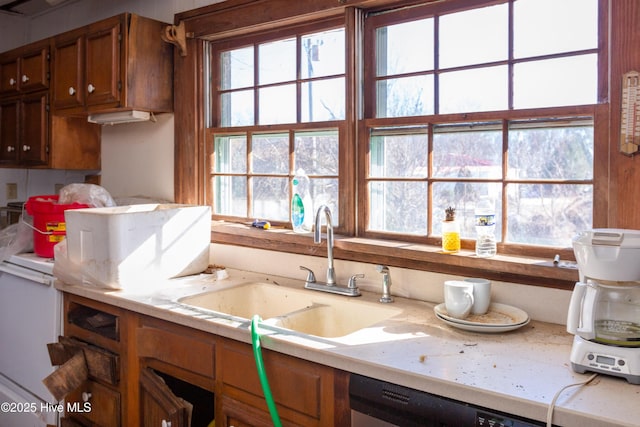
{"type": "Point", "coordinates": [119, 85]}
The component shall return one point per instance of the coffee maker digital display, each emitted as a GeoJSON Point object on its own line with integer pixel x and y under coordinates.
{"type": "Point", "coordinates": [604, 311]}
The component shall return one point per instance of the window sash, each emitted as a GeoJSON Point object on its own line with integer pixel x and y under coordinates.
{"type": "Point", "coordinates": [368, 121]}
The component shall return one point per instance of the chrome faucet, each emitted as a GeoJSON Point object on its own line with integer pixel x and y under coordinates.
{"type": "Point", "coordinates": [330, 285]}
{"type": "Point", "coordinates": [317, 238]}
{"type": "Point", "coordinates": [386, 283]}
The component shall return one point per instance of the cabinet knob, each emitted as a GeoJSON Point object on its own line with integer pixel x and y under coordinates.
{"type": "Point", "coordinates": [72, 90]}
{"type": "Point", "coordinates": [25, 78]}
{"type": "Point", "coordinates": [166, 423]}
{"type": "Point", "coordinates": [86, 396]}
{"type": "Point", "coordinates": [91, 88]}
{"type": "Point", "coordinates": [12, 81]}
{"type": "Point", "coordinates": [26, 148]}
{"type": "Point", "coordinates": [11, 148]}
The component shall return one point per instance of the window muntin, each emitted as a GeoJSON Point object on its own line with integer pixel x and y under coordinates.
{"type": "Point", "coordinates": [281, 101]}
{"type": "Point", "coordinates": [479, 72]}
{"type": "Point", "coordinates": [279, 77]}
{"type": "Point", "coordinates": [545, 27]}
{"type": "Point", "coordinates": [495, 76]}
{"type": "Point", "coordinates": [393, 49]}
{"type": "Point", "coordinates": [552, 192]}
{"type": "Point", "coordinates": [556, 82]}
{"type": "Point", "coordinates": [252, 174]}
{"type": "Point", "coordinates": [411, 90]}
{"type": "Point", "coordinates": [473, 89]}
{"type": "Point", "coordinates": [487, 43]}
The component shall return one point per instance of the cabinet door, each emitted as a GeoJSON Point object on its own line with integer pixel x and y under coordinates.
{"type": "Point", "coordinates": [8, 75]}
{"type": "Point", "coordinates": [68, 73]}
{"type": "Point", "coordinates": [35, 130]}
{"type": "Point", "coordinates": [9, 115]}
{"type": "Point", "coordinates": [34, 70]}
{"type": "Point", "coordinates": [233, 413]}
{"type": "Point", "coordinates": [160, 407]}
{"type": "Point", "coordinates": [103, 82]}
{"type": "Point", "coordinates": [96, 403]}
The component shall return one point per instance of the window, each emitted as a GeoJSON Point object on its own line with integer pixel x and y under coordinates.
{"type": "Point", "coordinates": [505, 111]}
{"type": "Point", "coordinates": [278, 109]}
{"type": "Point", "coordinates": [446, 116]}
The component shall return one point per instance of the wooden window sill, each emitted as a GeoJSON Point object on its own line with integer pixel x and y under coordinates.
{"type": "Point", "coordinates": [506, 268]}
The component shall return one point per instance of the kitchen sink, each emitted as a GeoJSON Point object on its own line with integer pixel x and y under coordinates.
{"type": "Point", "coordinates": [300, 310]}
{"type": "Point", "coordinates": [265, 299]}
{"type": "Point", "coordinates": [338, 319]}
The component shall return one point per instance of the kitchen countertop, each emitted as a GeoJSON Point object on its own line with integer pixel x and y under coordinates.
{"type": "Point", "coordinates": [517, 372]}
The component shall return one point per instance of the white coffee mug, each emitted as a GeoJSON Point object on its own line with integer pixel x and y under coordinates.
{"type": "Point", "coordinates": [458, 298]}
{"type": "Point", "coordinates": [481, 295]}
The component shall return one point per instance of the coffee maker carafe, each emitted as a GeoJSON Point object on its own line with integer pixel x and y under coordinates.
{"type": "Point", "coordinates": [604, 312]}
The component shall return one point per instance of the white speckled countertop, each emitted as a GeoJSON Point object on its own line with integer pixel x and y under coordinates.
{"type": "Point", "coordinates": [516, 372]}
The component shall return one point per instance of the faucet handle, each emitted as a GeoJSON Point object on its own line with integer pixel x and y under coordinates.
{"type": "Point", "coordinates": [352, 280]}
{"type": "Point", "coordinates": [382, 269]}
{"type": "Point", "coordinates": [311, 278]}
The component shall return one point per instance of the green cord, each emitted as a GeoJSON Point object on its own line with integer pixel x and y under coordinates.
{"type": "Point", "coordinates": [257, 354]}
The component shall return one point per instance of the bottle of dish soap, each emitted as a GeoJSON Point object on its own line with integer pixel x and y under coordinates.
{"type": "Point", "coordinates": [301, 209]}
{"type": "Point", "coordinates": [450, 232]}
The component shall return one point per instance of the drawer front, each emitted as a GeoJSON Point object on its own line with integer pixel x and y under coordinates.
{"type": "Point", "coordinates": [95, 402]}
{"type": "Point", "coordinates": [177, 347]}
{"type": "Point", "coordinates": [296, 384]}
{"type": "Point", "coordinates": [101, 364]}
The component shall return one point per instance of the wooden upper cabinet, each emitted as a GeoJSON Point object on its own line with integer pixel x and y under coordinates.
{"type": "Point", "coordinates": [104, 77]}
{"type": "Point", "coordinates": [9, 75]}
{"type": "Point", "coordinates": [67, 70]}
{"type": "Point", "coordinates": [25, 69]}
{"type": "Point", "coordinates": [118, 63]}
{"type": "Point", "coordinates": [9, 117]}
{"type": "Point", "coordinates": [33, 148]}
{"type": "Point", "coordinates": [24, 130]}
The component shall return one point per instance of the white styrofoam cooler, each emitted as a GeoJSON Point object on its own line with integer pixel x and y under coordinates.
{"type": "Point", "coordinates": [124, 246]}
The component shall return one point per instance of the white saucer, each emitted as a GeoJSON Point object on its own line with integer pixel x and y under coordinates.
{"type": "Point", "coordinates": [499, 318]}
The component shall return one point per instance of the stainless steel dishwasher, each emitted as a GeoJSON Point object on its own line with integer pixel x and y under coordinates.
{"type": "Point", "coordinates": [376, 403]}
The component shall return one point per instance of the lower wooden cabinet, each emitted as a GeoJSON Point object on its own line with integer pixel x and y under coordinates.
{"type": "Point", "coordinates": [96, 403]}
{"type": "Point", "coordinates": [305, 393]}
{"type": "Point", "coordinates": [144, 371]}
{"type": "Point", "coordinates": [159, 405]}
{"type": "Point", "coordinates": [233, 413]}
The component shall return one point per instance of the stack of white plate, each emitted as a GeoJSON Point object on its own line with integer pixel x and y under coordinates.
{"type": "Point", "coordinates": [499, 318]}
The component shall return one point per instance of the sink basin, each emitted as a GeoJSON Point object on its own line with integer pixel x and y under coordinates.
{"type": "Point", "coordinates": [301, 310]}
{"type": "Point", "coordinates": [264, 299]}
{"type": "Point", "coordinates": [338, 319]}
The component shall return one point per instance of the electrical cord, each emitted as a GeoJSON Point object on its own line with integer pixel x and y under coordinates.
{"type": "Point", "coordinates": [555, 398]}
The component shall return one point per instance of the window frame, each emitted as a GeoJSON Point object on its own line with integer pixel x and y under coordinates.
{"type": "Point", "coordinates": [346, 181]}
{"type": "Point", "coordinates": [238, 18]}
{"type": "Point", "coordinates": [391, 16]}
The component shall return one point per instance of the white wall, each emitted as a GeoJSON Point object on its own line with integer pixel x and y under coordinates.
{"type": "Point", "coordinates": [137, 158]}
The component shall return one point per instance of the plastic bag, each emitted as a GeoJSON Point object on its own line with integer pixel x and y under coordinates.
{"type": "Point", "coordinates": [71, 273]}
{"type": "Point", "coordinates": [16, 238]}
{"type": "Point", "coordinates": [89, 194]}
